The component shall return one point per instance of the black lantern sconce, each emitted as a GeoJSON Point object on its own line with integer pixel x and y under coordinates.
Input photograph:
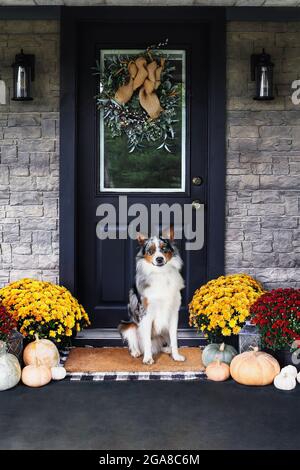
{"type": "Point", "coordinates": [262, 73]}
{"type": "Point", "coordinates": [23, 68]}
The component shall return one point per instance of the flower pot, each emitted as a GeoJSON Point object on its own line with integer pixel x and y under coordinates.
{"type": "Point", "coordinates": [285, 357]}
{"type": "Point", "coordinates": [232, 340]}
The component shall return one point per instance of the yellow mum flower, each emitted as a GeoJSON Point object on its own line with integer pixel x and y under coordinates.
{"type": "Point", "coordinates": [222, 305]}
{"type": "Point", "coordinates": [38, 306]}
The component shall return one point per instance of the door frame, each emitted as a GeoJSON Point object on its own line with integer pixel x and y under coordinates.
{"type": "Point", "coordinates": [71, 17]}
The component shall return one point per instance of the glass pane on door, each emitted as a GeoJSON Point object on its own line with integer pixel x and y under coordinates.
{"type": "Point", "coordinates": [142, 121]}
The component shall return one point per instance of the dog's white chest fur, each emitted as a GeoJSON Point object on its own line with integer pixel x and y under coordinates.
{"type": "Point", "coordinates": [164, 297]}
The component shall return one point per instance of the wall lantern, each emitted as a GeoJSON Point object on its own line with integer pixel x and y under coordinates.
{"type": "Point", "coordinates": [262, 73]}
{"type": "Point", "coordinates": [23, 68]}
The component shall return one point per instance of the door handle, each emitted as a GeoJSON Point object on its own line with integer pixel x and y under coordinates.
{"type": "Point", "coordinates": [196, 204]}
{"type": "Point", "coordinates": [197, 180]}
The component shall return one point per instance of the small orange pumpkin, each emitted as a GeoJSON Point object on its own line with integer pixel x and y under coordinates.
{"type": "Point", "coordinates": [218, 371]}
{"type": "Point", "coordinates": [36, 375]}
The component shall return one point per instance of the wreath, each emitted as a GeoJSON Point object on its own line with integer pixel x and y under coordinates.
{"type": "Point", "coordinates": [139, 98]}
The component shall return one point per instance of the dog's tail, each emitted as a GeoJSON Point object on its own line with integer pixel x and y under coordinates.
{"type": "Point", "coordinates": [128, 332]}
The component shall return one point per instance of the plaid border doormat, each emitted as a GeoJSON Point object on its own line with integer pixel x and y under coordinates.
{"type": "Point", "coordinates": [124, 376]}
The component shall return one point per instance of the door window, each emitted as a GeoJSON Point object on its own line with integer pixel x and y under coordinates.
{"type": "Point", "coordinates": [150, 154]}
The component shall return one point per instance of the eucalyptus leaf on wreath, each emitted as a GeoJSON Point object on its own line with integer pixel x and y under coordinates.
{"type": "Point", "coordinates": [130, 118]}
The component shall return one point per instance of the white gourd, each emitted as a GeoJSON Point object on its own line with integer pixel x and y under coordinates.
{"type": "Point", "coordinates": [283, 381]}
{"type": "Point", "coordinates": [10, 370]}
{"type": "Point", "coordinates": [58, 373]}
{"type": "Point", "coordinates": [289, 370]}
{"type": "Point", "coordinates": [298, 377]}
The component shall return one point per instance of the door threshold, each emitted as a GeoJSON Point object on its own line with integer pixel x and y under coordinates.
{"type": "Point", "coordinates": [111, 337]}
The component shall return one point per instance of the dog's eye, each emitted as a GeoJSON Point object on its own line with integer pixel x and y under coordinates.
{"type": "Point", "coordinates": [165, 249]}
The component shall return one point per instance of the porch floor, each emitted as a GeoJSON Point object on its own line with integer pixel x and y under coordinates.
{"type": "Point", "coordinates": [149, 415]}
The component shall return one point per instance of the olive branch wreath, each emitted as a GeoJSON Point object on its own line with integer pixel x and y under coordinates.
{"type": "Point", "coordinates": [131, 119]}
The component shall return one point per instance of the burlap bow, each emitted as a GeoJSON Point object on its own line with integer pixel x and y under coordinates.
{"type": "Point", "coordinates": [146, 78]}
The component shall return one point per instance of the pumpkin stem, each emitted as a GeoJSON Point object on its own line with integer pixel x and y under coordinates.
{"type": "Point", "coordinates": [36, 337]}
{"type": "Point", "coordinates": [254, 348]}
{"type": "Point", "coordinates": [222, 347]}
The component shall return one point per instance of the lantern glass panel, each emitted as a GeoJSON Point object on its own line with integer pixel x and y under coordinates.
{"type": "Point", "coordinates": [264, 82]}
{"type": "Point", "coordinates": [249, 338]}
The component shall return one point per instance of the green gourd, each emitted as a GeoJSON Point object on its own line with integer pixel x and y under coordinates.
{"type": "Point", "coordinates": [222, 352]}
{"type": "Point", "coordinates": [10, 370]}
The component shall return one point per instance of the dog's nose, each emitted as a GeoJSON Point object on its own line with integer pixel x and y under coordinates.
{"type": "Point", "coordinates": [159, 260]}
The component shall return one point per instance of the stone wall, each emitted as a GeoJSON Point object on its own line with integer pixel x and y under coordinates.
{"type": "Point", "coordinates": [263, 157]}
{"type": "Point", "coordinates": [29, 156]}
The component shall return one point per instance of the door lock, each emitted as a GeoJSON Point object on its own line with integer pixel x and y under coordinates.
{"type": "Point", "coordinates": [197, 181]}
{"type": "Point", "coordinates": [196, 204]}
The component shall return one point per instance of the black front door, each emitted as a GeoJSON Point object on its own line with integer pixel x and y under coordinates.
{"type": "Point", "coordinates": [106, 268]}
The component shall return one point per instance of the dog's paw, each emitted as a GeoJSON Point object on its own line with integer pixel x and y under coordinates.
{"type": "Point", "coordinates": [178, 357]}
{"type": "Point", "coordinates": [166, 350]}
{"type": "Point", "coordinates": [135, 353]}
{"type": "Point", "coordinates": [148, 360]}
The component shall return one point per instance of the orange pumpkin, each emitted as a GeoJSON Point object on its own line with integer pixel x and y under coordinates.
{"type": "Point", "coordinates": [43, 351]}
{"type": "Point", "coordinates": [36, 375]}
{"type": "Point", "coordinates": [218, 371]}
{"type": "Point", "coordinates": [254, 368]}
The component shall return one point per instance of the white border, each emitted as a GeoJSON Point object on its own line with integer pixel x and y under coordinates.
{"type": "Point", "coordinates": [183, 131]}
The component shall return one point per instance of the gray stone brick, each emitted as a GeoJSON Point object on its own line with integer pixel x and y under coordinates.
{"type": "Point", "coordinates": [289, 260]}
{"type": "Point", "coordinates": [25, 211]}
{"type": "Point", "coordinates": [26, 261]}
{"type": "Point", "coordinates": [28, 132]}
{"type": "Point", "coordinates": [17, 274]}
{"type": "Point", "coordinates": [41, 243]}
{"type": "Point", "coordinates": [283, 241]}
{"type": "Point", "coordinates": [8, 153]}
{"type": "Point", "coordinates": [22, 183]}
{"type": "Point", "coordinates": [19, 170]}
{"type": "Point", "coordinates": [247, 182]}
{"type": "Point", "coordinates": [262, 168]}
{"type": "Point", "coordinates": [244, 131]}
{"type": "Point", "coordinates": [26, 198]}
{"type": "Point", "coordinates": [38, 145]}
{"type": "Point", "coordinates": [266, 209]}
{"type": "Point", "coordinates": [22, 119]}
{"type": "Point", "coordinates": [38, 223]}
{"type": "Point", "coordinates": [280, 222]}
{"type": "Point", "coordinates": [21, 249]}
{"type": "Point", "coordinates": [50, 183]}
{"type": "Point", "coordinates": [262, 246]}
{"type": "Point", "coordinates": [3, 175]}
{"type": "Point", "coordinates": [48, 128]}
{"type": "Point", "coordinates": [279, 182]}
{"type": "Point", "coordinates": [47, 261]}
{"type": "Point", "coordinates": [266, 196]}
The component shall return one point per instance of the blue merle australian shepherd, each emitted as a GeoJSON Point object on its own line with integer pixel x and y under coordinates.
{"type": "Point", "coordinates": [155, 299]}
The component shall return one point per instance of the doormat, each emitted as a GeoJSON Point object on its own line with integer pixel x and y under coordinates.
{"type": "Point", "coordinates": [100, 364]}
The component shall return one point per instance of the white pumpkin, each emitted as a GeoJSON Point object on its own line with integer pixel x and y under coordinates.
{"type": "Point", "coordinates": [289, 370]}
{"type": "Point", "coordinates": [10, 370]}
{"type": "Point", "coordinates": [41, 351]}
{"type": "Point", "coordinates": [284, 381]}
{"type": "Point", "coordinates": [58, 373]}
{"type": "Point", "coordinates": [298, 377]}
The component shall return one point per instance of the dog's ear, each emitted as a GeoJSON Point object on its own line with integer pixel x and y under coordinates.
{"type": "Point", "coordinates": [141, 238]}
{"type": "Point", "coordinates": [168, 233]}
